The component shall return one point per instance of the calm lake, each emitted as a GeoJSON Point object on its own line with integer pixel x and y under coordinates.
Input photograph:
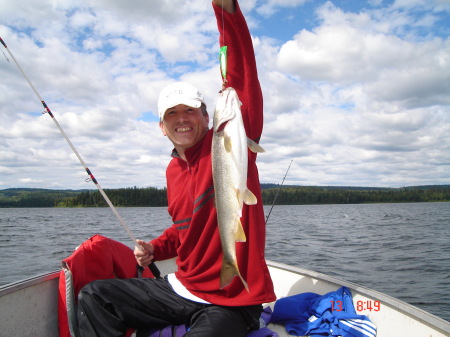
{"type": "Point", "coordinates": [402, 250]}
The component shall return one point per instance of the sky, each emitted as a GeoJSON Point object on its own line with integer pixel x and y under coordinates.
{"type": "Point", "coordinates": [356, 93]}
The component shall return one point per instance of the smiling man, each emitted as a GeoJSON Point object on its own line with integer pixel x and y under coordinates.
{"type": "Point", "coordinates": [183, 115]}
{"type": "Point", "coordinates": [193, 295]}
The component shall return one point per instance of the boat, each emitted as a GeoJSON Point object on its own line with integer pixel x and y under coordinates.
{"type": "Point", "coordinates": [29, 307]}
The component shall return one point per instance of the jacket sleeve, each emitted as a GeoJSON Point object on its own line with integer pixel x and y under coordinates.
{"type": "Point", "coordinates": [242, 73]}
{"type": "Point", "coordinates": [166, 244]}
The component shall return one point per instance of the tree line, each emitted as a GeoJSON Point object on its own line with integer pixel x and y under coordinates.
{"type": "Point", "coordinates": [351, 195]}
{"type": "Point", "coordinates": [123, 197]}
{"type": "Point", "coordinates": [286, 195]}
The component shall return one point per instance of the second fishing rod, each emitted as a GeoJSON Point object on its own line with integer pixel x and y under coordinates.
{"type": "Point", "coordinates": [47, 110]}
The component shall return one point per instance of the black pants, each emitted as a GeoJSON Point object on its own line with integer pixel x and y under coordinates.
{"type": "Point", "coordinates": [108, 307]}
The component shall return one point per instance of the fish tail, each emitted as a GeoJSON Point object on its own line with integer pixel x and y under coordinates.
{"type": "Point", "coordinates": [228, 272]}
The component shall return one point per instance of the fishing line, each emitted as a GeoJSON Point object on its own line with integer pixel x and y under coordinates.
{"type": "Point", "coordinates": [93, 198]}
{"type": "Point", "coordinates": [6, 57]}
{"type": "Point", "coordinates": [47, 110]}
{"type": "Point", "coordinates": [223, 57]}
{"type": "Point", "coordinates": [223, 25]}
{"type": "Point", "coordinates": [274, 199]}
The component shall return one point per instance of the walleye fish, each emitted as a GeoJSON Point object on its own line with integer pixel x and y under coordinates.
{"type": "Point", "coordinates": [229, 166]}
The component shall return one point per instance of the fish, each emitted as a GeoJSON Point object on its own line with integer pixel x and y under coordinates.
{"type": "Point", "coordinates": [229, 170]}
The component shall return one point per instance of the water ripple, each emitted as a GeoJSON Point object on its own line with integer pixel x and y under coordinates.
{"type": "Point", "coordinates": [399, 249]}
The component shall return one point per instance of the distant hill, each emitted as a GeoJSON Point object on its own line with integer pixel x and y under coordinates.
{"type": "Point", "coordinates": [307, 195]}
{"type": "Point", "coordinates": [286, 195]}
{"type": "Point", "coordinates": [41, 197]}
{"type": "Point", "coordinates": [268, 185]}
{"type": "Point", "coordinates": [34, 197]}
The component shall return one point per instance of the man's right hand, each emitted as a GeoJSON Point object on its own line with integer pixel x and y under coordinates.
{"type": "Point", "coordinates": [227, 5]}
{"type": "Point", "coordinates": [144, 253]}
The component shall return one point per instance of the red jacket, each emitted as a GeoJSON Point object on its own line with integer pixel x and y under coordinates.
{"type": "Point", "coordinates": [194, 236]}
{"type": "Point", "coordinates": [95, 259]}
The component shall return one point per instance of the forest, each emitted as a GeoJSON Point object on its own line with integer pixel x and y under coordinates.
{"type": "Point", "coordinates": [272, 194]}
{"type": "Point", "coordinates": [296, 195]}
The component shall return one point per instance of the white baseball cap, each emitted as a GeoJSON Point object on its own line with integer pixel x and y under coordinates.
{"type": "Point", "coordinates": [179, 93]}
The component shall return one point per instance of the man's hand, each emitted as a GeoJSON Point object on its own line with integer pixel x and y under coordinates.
{"type": "Point", "coordinates": [227, 5]}
{"type": "Point", "coordinates": [144, 253]}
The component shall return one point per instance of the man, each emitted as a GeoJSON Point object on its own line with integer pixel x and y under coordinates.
{"type": "Point", "coordinates": [192, 295]}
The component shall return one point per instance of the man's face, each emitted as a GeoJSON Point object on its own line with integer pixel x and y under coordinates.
{"type": "Point", "coordinates": [184, 126]}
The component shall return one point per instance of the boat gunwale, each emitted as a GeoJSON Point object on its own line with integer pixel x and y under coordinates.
{"type": "Point", "coordinates": [421, 315]}
{"type": "Point", "coordinates": [28, 282]}
{"type": "Point", "coordinates": [413, 311]}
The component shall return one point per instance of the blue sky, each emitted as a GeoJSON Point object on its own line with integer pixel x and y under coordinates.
{"type": "Point", "coordinates": [357, 93]}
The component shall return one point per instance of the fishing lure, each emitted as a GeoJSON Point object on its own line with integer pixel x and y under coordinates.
{"type": "Point", "coordinates": [223, 59]}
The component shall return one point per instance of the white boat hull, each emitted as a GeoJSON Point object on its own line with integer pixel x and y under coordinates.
{"type": "Point", "coordinates": [30, 307]}
{"type": "Point", "coordinates": [394, 318]}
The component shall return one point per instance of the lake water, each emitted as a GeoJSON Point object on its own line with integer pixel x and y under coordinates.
{"type": "Point", "coordinates": [402, 250]}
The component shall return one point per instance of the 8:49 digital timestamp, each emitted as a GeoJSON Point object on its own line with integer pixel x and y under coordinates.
{"type": "Point", "coordinates": [360, 305]}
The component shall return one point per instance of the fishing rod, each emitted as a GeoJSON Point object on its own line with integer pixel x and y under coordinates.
{"type": "Point", "coordinates": [274, 199]}
{"type": "Point", "coordinates": [47, 110]}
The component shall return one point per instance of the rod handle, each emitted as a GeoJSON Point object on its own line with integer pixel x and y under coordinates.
{"type": "Point", "coordinates": [153, 268]}
{"type": "Point", "coordinates": [155, 271]}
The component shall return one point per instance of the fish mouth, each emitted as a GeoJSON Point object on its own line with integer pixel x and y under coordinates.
{"type": "Point", "coordinates": [183, 129]}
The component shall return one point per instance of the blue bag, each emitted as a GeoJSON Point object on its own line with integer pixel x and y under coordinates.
{"type": "Point", "coordinates": [311, 314]}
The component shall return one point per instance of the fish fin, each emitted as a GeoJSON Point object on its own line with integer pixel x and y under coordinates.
{"type": "Point", "coordinates": [253, 146]}
{"type": "Point", "coordinates": [240, 198]}
{"type": "Point", "coordinates": [228, 272]}
{"type": "Point", "coordinates": [227, 142]}
{"type": "Point", "coordinates": [240, 234]}
{"type": "Point", "coordinates": [249, 198]}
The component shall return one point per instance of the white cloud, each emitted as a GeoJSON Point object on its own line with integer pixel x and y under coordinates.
{"type": "Point", "coordinates": [361, 99]}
